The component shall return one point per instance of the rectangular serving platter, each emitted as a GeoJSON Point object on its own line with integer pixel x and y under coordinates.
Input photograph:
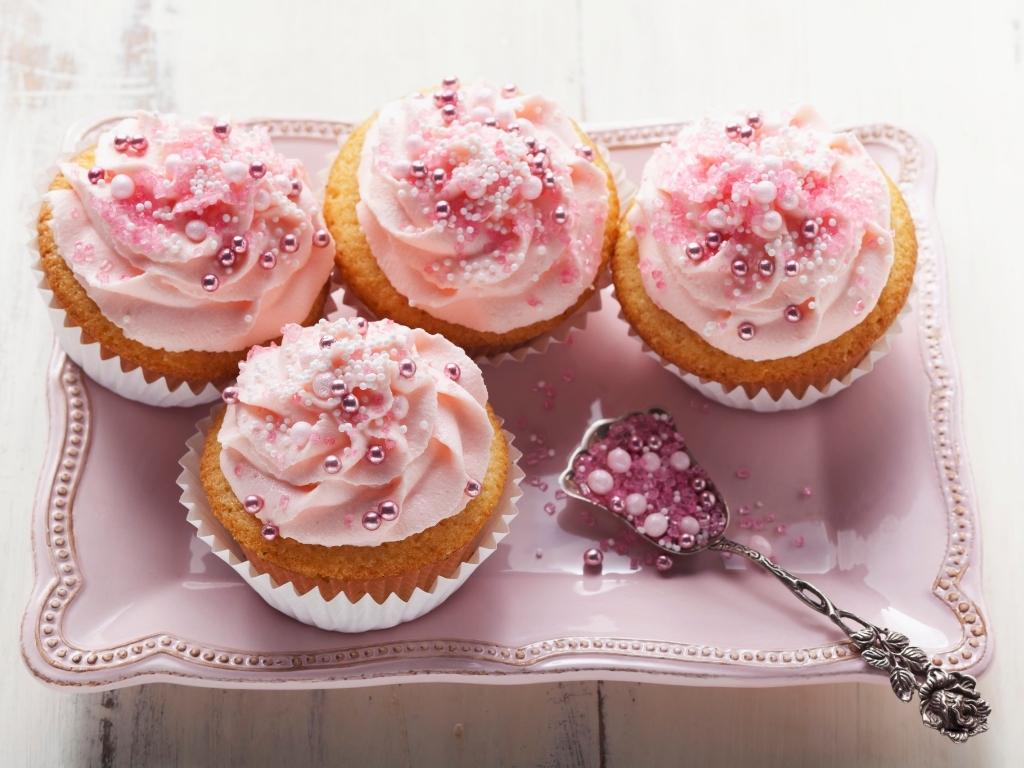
{"type": "Point", "coordinates": [867, 494]}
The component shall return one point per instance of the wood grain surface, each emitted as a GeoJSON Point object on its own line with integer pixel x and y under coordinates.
{"type": "Point", "coordinates": [951, 70]}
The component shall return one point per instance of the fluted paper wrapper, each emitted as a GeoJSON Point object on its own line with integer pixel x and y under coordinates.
{"type": "Point", "coordinates": [763, 402]}
{"type": "Point", "coordinates": [303, 600]}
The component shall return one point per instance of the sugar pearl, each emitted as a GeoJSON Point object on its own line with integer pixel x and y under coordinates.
{"type": "Point", "coordinates": [772, 221]}
{"type": "Point", "coordinates": [600, 481]}
{"type": "Point", "coordinates": [763, 192]}
{"type": "Point", "coordinates": [253, 504]}
{"type": "Point", "coordinates": [655, 524]}
{"type": "Point", "coordinates": [268, 260]}
{"type": "Point", "coordinates": [407, 368]}
{"type": "Point", "coordinates": [371, 520]}
{"type": "Point", "coordinates": [332, 464]}
{"type": "Point", "coordinates": [689, 524]}
{"type": "Point", "coordinates": [270, 532]}
{"type": "Point", "coordinates": [122, 187]}
{"type": "Point", "coordinates": [300, 433]}
{"type": "Point", "coordinates": [234, 170]}
{"type": "Point", "coordinates": [531, 188]}
{"type": "Point", "coordinates": [387, 510]}
{"type": "Point", "coordinates": [376, 454]}
{"type": "Point", "coordinates": [452, 371]}
{"type": "Point", "coordinates": [716, 218]}
{"type": "Point", "coordinates": [663, 563]}
{"type": "Point", "coordinates": [746, 331]}
{"type": "Point", "coordinates": [636, 503]}
{"type": "Point", "coordinates": [195, 230]}
{"type": "Point", "coordinates": [593, 558]}
{"type": "Point", "coordinates": [679, 461]}
{"type": "Point", "coordinates": [619, 460]}
{"type": "Point", "coordinates": [651, 461]}
{"type": "Point", "coordinates": [472, 488]}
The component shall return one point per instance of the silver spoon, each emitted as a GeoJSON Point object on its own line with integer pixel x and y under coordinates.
{"type": "Point", "coordinates": [621, 463]}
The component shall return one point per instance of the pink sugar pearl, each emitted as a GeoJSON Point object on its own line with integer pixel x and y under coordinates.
{"type": "Point", "coordinates": [636, 503]}
{"type": "Point", "coordinates": [600, 481]}
{"type": "Point", "coordinates": [656, 524]}
{"type": "Point", "coordinates": [619, 460]}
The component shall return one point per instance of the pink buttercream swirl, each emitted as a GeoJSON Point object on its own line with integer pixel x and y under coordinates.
{"type": "Point", "coordinates": [481, 206]}
{"type": "Point", "coordinates": [767, 237]}
{"type": "Point", "coordinates": [192, 235]}
{"type": "Point", "coordinates": [356, 433]}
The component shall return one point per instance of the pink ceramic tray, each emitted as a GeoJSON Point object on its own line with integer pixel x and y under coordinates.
{"type": "Point", "coordinates": [126, 594]}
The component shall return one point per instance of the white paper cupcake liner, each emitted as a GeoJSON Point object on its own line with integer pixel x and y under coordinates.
{"type": "Point", "coordinates": [104, 370]}
{"type": "Point", "coordinates": [347, 304]}
{"type": "Point", "coordinates": [763, 402]}
{"type": "Point", "coordinates": [340, 614]}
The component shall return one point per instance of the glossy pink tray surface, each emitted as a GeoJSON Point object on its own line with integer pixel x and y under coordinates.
{"type": "Point", "coordinates": [126, 594]}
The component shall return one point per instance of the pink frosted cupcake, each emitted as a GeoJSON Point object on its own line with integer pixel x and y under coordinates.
{"type": "Point", "coordinates": [764, 254]}
{"type": "Point", "coordinates": [172, 246]}
{"type": "Point", "coordinates": [481, 213]}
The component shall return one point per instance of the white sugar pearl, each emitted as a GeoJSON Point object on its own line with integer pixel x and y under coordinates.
{"type": "Point", "coordinates": [600, 481]}
{"type": "Point", "coordinates": [772, 221]}
{"type": "Point", "coordinates": [619, 460]}
{"type": "Point", "coordinates": [235, 170]}
{"type": "Point", "coordinates": [680, 460]}
{"type": "Point", "coordinates": [716, 218]}
{"type": "Point", "coordinates": [636, 503]}
{"type": "Point", "coordinates": [300, 433]}
{"type": "Point", "coordinates": [195, 230]}
{"type": "Point", "coordinates": [763, 192]}
{"type": "Point", "coordinates": [789, 201]}
{"type": "Point", "coordinates": [122, 187]}
{"type": "Point", "coordinates": [689, 524]}
{"type": "Point", "coordinates": [655, 524]}
{"type": "Point", "coordinates": [531, 188]}
{"type": "Point", "coordinates": [651, 461]}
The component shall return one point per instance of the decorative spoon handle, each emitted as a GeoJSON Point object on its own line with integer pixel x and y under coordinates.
{"type": "Point", "coordinates": [949, 702]}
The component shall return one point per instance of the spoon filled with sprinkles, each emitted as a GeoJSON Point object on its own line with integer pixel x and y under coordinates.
{"type": "Point", "coordinates": [639, 468]}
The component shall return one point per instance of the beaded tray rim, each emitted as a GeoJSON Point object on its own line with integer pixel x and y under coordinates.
{"type": "Point", "coordinates": [55, 659]}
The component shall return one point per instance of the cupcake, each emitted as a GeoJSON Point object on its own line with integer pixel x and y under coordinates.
{"type": "Point", "coordinates": [479, 213]}
{"type": "Point", "coordinates": [176, 245]}
{"type": "Point", "coordinates": [357, 458]}
{"type": "Point", "coordinates": [768, 254]}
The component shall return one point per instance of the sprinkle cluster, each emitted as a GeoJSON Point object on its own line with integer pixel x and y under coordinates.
{"type": "Point", "coordinates": [640, 470]}
{"type": "Point", "coordinates": [200, 194]}
{"type": "Point", "coordinates": [349, 378]}
{"type": "Point", "coordinates": [770, 210]}
{"type": "Point", "coordinates": [475, 170]}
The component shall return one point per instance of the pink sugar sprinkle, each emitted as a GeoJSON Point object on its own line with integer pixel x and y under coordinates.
{"type": "Point", "coordinates": [634, 564]}
{"type": "Point", "coordinates": [806, 491]}
{"type": "Point", "coordinates": [568, 375]}
{"type": "Point", "coordinates": [744, 510]}
{"type": "Point", "coordinates": [780, 529]}
{"type": "Point", "coordinates": [758, 524]}
{"type": "Point", "coordinates": [769, 518]}
{"type": "Point", "coordinates": [549, 508]}
{"type": "Point", "coordinates": [560, 494]}
{"type": "Point", "coordinates": [798, 541]}
{"type": "Point", "coordinates": [746, 523]}
{"type": "Point", "coordinates": [743, 473]}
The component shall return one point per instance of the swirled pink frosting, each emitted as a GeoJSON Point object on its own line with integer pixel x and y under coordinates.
{"type": "Point", "coordinates": [481, 206]}
{"type": "Point", "coordinates": [149, 233]}
{"type": "Point", "coordinates": [356, 433]}
{"type": "Point", "coordinates": [766, 236]}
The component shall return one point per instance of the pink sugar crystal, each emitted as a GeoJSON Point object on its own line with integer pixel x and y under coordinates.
{"type": "Point", "coordinates": [683, 505]}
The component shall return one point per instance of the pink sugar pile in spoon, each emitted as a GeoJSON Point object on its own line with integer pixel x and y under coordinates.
{"type": "Point", "coordinates": [639, 469]}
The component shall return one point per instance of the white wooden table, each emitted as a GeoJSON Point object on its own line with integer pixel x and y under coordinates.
{"type": "Point", "coordinates": [952, 70]}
